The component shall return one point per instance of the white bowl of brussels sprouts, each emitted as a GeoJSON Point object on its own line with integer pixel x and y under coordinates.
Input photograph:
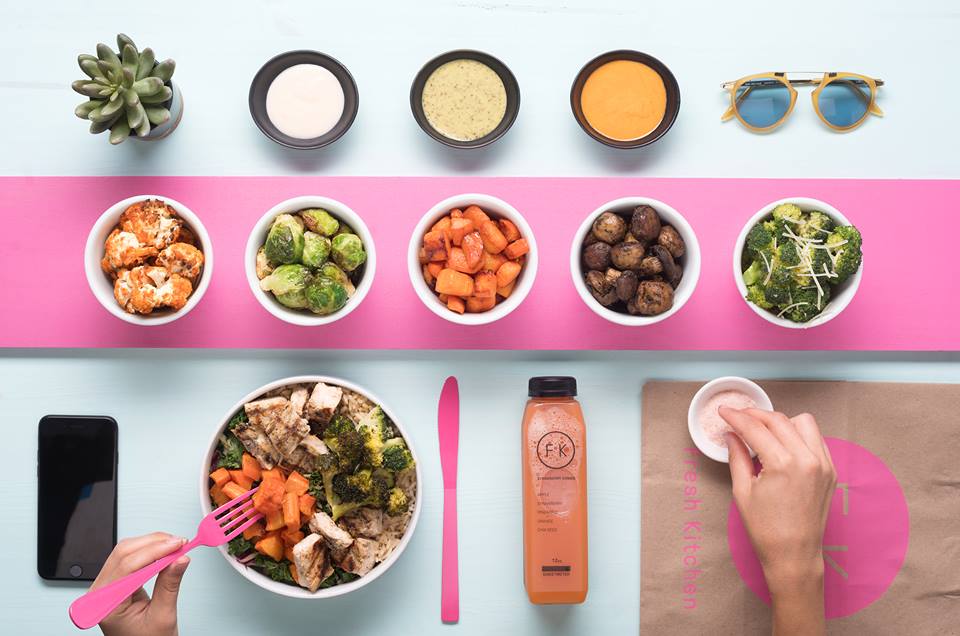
{"type": "Point", "coordinates": [829, 292]}
{"type": "Point", "coordinates": [310, 260]}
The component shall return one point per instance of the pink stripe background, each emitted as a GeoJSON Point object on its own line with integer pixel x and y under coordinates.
{"type": "Point", "coordinates": [908, 299]}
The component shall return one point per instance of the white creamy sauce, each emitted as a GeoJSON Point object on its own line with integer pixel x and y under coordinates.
{"type": "Point", "coordinates": [305, 101]}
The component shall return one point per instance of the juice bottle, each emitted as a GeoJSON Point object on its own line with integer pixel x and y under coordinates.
{"type": "Point", "coordinates": [554, 493]}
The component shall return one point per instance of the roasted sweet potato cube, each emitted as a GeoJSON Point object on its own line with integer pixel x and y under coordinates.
{"type": "Point", "coordinates": [475, 214]}
{"type": "Point", "coordinates": [271, 546]}
{"type": "Point", "coordinates": [516, 249]}
{"type": "Point", "coordinates": [509, 230]}
{"type": "Point", "coordinates": [434, 268]}
{"type": "Point", "coordinates": [428, 278]}
{"type": "Point", "coordinates": [454, 283]}
{"type": "Point", "coordinates": [441, 225]}
{"type": "Point", "coordinates": [455, 303]}
{"type": "Point", "coordinates": [458, 261]}
{"type": "Point", "coordinates": [456, 213]}
{"type": "Point", "coordinates": [485, 285]}
{"type": "Point", "coordinates": [422, 255]}
{"type": "Point", "coordinates": [504, 292]}
{"type": "Point", "coordinates": [435, 246]}
{"type": "Point", "coordinates": [460, 228]}
{"type": "Point", "coordinates": [508, 273]}
{"type": "Point", "coordinates": [492, 262]}
{"type": "Point", "coordinates": [493, 239]}
{"type": "Point", "coordinates": [479, 305]}
{"type": "Point", "coordinates": [473, 251]}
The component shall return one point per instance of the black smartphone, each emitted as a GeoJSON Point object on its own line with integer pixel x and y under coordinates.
{"type": "Point", "coordinates": [76, 495]}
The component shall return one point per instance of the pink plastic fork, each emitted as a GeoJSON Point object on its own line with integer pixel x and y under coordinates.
{"type": "Point", "coordinates": [220, 526]}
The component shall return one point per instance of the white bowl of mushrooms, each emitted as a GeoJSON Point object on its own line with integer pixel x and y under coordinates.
{"type": "Point", "coordinates": [635, 261]}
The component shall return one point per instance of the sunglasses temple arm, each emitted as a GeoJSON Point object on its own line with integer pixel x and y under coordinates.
{"type": "Point", "coordinates": [730, 112]}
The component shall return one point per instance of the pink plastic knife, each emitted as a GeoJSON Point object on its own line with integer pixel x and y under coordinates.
{"type": "Point", "coordinates": [448, 429]}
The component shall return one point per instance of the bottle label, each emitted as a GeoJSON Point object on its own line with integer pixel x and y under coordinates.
{"type": "Point", "coordinates": [556, 449]}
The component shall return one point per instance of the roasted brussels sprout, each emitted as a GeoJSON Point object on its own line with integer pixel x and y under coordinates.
{"type": "Point", "coordinates": [347, 252]}
{"type": "Point", "coordinates": [263, 266]}
{"type": "Point", "coordinates": [288, 284]}
{"type": "Point", "coordinates": [597, 256]}
{"type": "Point", "coordinates": [334, 273]}
{"type": "Point", "coordinates": [316, 249]}
{"type": "Point", "coordinates": [325, 296]}
{"type": "Point", "coordinates": [627, 255]}
{"type": "Point", "coordinates": [670, 239]}
{"type": "Point", "coordinates": [284, 244]}
{"type": "Point", "coordinates": [320, 221]}
{"type": "Point", "coordinates": [610, 228]}
{"type": "Point", "coordinates": [645, 223]}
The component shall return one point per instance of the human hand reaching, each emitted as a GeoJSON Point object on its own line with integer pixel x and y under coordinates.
{"type": "Point", "coordinates": [141, 615]}
{"type": "Point", "coordinates": [784, 508]}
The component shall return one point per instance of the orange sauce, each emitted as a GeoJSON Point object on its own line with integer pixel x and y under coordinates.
{"type": "Point", "coordinates": [624, 100]}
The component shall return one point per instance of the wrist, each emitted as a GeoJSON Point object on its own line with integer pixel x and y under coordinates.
{"type": "Point", "coordinates": [789, 577]}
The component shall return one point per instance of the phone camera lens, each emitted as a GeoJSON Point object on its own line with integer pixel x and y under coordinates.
{"type": "Point", "coordinates": [76, 571]}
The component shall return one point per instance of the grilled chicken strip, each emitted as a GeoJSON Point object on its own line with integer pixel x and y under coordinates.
{"type": "Point", "coordinates": [338, 539]}
{"type": "Point", "coordinates": [312, 561]}
{"type": "Point", "coordinates": [276, 417]}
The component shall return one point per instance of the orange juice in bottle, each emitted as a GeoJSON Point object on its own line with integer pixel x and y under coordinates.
{"type": "Point", "coordinates": [554, 493]}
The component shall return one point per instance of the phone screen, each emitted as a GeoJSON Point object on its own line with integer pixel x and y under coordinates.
{"type": "Point", "coordinates": [77, 495]}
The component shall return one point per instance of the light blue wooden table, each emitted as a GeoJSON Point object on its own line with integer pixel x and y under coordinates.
{"type": "Point", "coordinates": [218, 47]}
{"type": "Point", "coordinates": [163, 433]}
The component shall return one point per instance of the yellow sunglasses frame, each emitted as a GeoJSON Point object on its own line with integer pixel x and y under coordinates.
{"type": "Point", "coordinates": [822, 82]}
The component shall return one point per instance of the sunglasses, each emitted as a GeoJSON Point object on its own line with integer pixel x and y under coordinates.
{"type": "Point", "coordinates": [764, 101]}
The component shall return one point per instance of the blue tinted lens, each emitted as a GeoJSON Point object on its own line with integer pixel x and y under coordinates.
{"type": "Point", "coordinates": [844, 102]}
{"type": "Point", "coordinates": [762, 103]}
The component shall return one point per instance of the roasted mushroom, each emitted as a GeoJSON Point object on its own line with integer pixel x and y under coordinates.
{"type": "Point", "coordinates": [671, 240]}
{"type": "Point", "coordinates": [672, 273]}
{"type": "Point", "coordinates": [626, 285]}
{"type": "Point", "coordinates": [610, 228]}
{"type": "Point", "coordinates": [627, 255]}
{"type": "Point", "coordinates": [645, 223]}
{"type": "Point", "coordinates": [597, 256]}
{"type": "Point", "coordinates": [652, 298]}
{"type": "Point", "coordinates": [598, 282]}
{"type": "Point", "coordinates": [650, 266]}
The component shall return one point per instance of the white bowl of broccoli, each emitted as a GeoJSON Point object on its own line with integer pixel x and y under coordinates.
{"type": "Point", "coordinates": [798, 262]}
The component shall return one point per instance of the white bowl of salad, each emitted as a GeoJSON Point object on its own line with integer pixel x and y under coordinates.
{"type": "Point", "coordinates": [339, 485]}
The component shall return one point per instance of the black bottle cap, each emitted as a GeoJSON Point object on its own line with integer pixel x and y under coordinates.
{"type": "Point", "coordinates": [552, 386]}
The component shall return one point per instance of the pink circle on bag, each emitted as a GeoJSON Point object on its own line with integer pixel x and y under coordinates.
{"type": "Point", "coordinates": [866, 539]}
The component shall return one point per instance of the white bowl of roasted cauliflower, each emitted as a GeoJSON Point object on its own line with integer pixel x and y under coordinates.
{"type": "Point", "coordinates": [148, 260]}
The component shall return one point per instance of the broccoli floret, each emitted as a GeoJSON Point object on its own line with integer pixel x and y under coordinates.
{"type": "Point", "coordinates": [807, 303]}
{"type": "Point", "coordinates": [788, 253]}
{"type": "Point", "coordinates": [777, 288]}
{"type": "Point", "coordinates": [353, 488]}
{"type": "Point", "coordinates": [755, 273]}
{"type": "Point", "coordinates": [789, 212]}
{"type": "Point", "coordinates": [342, 437]}
{"type": "Point", "coordinates": [816, 225]}
{"type": "Point", "coordinates": [396, 456]}
{"type": "Point", "coordinates": [756, 296]}
{"type": "Point", "coordinates": [759, 238]}
{"type": "Point", "coordinates": [376, 429]}
{"type": "Point", "coordinates": [845, 244]}
{"type": "Point", "coordinates": [397, 502]}
{"type": "Point", "coordinates": [365, 488]}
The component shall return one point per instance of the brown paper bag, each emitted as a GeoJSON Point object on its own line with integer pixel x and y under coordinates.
{"type": "Point", "coordinates": [892, 545]}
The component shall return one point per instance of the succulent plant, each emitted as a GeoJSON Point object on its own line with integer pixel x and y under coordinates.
{"type": "Point", "coordinates": [128, 91]}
